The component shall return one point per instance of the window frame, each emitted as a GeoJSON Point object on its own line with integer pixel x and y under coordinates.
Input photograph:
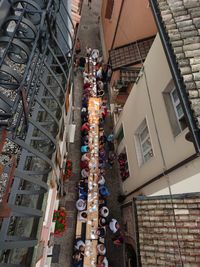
{"type": "Point", "coordinates": [178, 123]}
{"type": "Point", "coordinates": [175, 104]}
{"type": "Point", "coordinates": [141, 153]}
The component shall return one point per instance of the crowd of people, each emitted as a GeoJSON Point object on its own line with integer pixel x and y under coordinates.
{"type": "Point", "coordinates": [95, 86]}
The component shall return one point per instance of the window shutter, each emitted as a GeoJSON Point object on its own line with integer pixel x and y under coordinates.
{"type": "Point", "coordinates": [109, 9]}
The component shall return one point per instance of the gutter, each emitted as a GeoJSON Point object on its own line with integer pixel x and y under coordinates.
{"type": "Point", "coordinates": [177, 76]}
{"type": "Point", "coordinates": [159, 176]}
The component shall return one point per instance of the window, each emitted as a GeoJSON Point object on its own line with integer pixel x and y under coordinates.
{"type": "Point", "coordinates": [178, 109]}
{"type": "Point", "coordinates": [174, 109]}
{"type": "Point", "coordinates": [109, 9]}
{"type": "Point", "coordinates": [143, 143]}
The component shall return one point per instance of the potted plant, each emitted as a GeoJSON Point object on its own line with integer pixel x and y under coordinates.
{"type": "Point", "coordinates": [68, 170]}
{"type": "Point", "coordinates": [59, 217]}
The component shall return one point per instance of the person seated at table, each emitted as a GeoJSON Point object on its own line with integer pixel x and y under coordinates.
{"type": "Point", "coordinates": [85, 126]}
{"type": "Point", "coordinates": [104, 211]}
{"type": "Point", "coordinates": [82, 62]}
{"type": "Point", "coordinates": [102, 141]}
{"type": "Point", "coordinates": [102, 164]}
{"type": "Point", "coordinates": [102, 202]}
{"type": "Point", "coordinates": [84, 102]}
{"type": "Point", "coordinates": [114, 225]}
{"type": "Point", "coordinates": [83, 189]}
{"type": "Point", "coordinates": [103, 191]}
{"type": "Point", "coordinates": [79, 245]}
{"type": "Point", "coordinates": [84, 140]}
{"type": "Point", "coordinates": [80, 204]}
{"type": "Point", "coordinates": [83, 183]}
{"type": "Point", "coordinates": [101, 180]}
{"type": "Point", "coordinates": [77, 259]}
{"type": "Point", "coordinates": [102, 222]}
{"type": "Point", "coordinates": [85, 172]}
{"type": "Point", "coordinates": [84, 149]}
{"type": "Point", "coordinates": [100, 93]}
{"type": "Point", "coordinates": [102, 261]}
{"type": "Point", "coordinates": [83, 194]}
{"type": "Point", "coordinates": [101, 249]}
{"type": "Point", "coordinates": [82, 216]}
{"type": "Point", "coordinates": [101, 232]}
{"type": "Point", "coordinates": [118, 238]}
{"type": "Point", "coordinates": [84, 164]}
{"type": "Point", "coordinates": [84, 133]}
{"type": "Point", "coordinates": [102, 154]}
{"type": "Point", "coordinates": [84, 116]}
{"type": "Point", "coordinates": [85, 156]}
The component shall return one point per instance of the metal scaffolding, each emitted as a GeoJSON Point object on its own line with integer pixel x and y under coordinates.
{"type": "Point", "coordinates": [35, 68]}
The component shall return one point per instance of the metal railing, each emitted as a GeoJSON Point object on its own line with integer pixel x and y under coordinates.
{"type": "Point", "coordinates": [35, 67]}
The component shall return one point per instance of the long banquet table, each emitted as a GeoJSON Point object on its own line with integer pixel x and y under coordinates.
{"type": "Point", "coordinates": [90, 258]}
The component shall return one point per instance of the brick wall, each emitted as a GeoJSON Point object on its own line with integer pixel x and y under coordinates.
{"type": "Point", "coordinates": [161, 225]}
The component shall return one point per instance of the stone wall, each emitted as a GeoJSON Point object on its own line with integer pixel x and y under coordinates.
{"type": "Point", "coordinates": [164, 227]}
{"type": "Point", "coordinates": [181, 19]}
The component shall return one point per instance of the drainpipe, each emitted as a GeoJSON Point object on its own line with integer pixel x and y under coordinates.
{"type": "Point", "coordinates": [177, 76]}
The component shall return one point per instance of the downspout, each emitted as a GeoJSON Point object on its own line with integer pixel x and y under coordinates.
{"type": "Point", "coordinates": [177, 76]}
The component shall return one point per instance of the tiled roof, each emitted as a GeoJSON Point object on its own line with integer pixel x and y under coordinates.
{"type": "Point", "coordinates": [164, 228]}
{"type": "Point", "coordinates": [130, 54]}
{"type": "Point", "coordinates": [181, 20]}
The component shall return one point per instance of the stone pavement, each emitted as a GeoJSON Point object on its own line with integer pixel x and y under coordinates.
{"type": "Point", "coordinates": [89, 36]}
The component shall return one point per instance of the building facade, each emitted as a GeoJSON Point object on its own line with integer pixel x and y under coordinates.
{"type": "Point", "coordinates": [157, 138]}
{"type": "Point", "coordinates": [127, 31]}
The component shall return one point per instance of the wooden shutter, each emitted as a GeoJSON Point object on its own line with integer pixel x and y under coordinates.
{"type": "Point", "coordinates": [109, 9]}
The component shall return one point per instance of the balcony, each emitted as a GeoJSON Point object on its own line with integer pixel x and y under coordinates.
{"type": "Point", "coordinates": [34, 73]}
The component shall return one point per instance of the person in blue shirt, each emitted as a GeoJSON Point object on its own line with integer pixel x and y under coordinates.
{"type": "Point", "coordinates": [103, 191]}
{"type": "Point", "coordinates": [84, 149]}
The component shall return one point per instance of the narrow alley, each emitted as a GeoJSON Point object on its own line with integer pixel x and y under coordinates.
{"type": "Point", "coordinates": [99, 133]}
{"type": "Point", "coordinates": [89, 36]}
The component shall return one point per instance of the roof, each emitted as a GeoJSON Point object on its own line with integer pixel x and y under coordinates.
{"type": "Point", "coordinates": [130, 54]}
{"type": "Point", "coordinates": [164, 227]}
{"type": "Point", "coordinates": [180, 22]}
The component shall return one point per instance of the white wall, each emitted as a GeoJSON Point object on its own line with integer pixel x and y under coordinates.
{"type": "Point", "coordinates": [146, 101]}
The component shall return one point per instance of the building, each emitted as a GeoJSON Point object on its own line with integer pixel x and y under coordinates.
{"type": "Point", "coordinates": [36, 99]}
{"type": "Point", "coordinates": [157, 141]}
{"type": "Point", "coordinates": [127, 31]}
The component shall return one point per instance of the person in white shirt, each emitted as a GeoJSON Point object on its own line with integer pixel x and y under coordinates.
{"type": "Point", "coordinates": [101, 249]}
{"type": "Point", "coordinates": [85, 156]}
{"type": "Point", "coordinates": [80, 204]}
{"type": "Point", "coordinates": [114, 225]}
{"type": "Point", "coordinates": [80, 245]}
{"type": "Point", "coordinates": [104, 211]}
{"type": "Point", "coordinates": [82, 216]}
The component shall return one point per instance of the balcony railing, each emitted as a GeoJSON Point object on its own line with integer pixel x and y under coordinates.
{"type": "Point", "coordinates": [35, 65]}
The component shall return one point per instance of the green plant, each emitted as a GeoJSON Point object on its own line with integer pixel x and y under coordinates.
{"type": "Point", "coordinates": [59, 217]}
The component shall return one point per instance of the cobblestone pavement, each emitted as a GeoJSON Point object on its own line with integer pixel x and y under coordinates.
{"type": "Point", "coordinates": [89, 36]}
